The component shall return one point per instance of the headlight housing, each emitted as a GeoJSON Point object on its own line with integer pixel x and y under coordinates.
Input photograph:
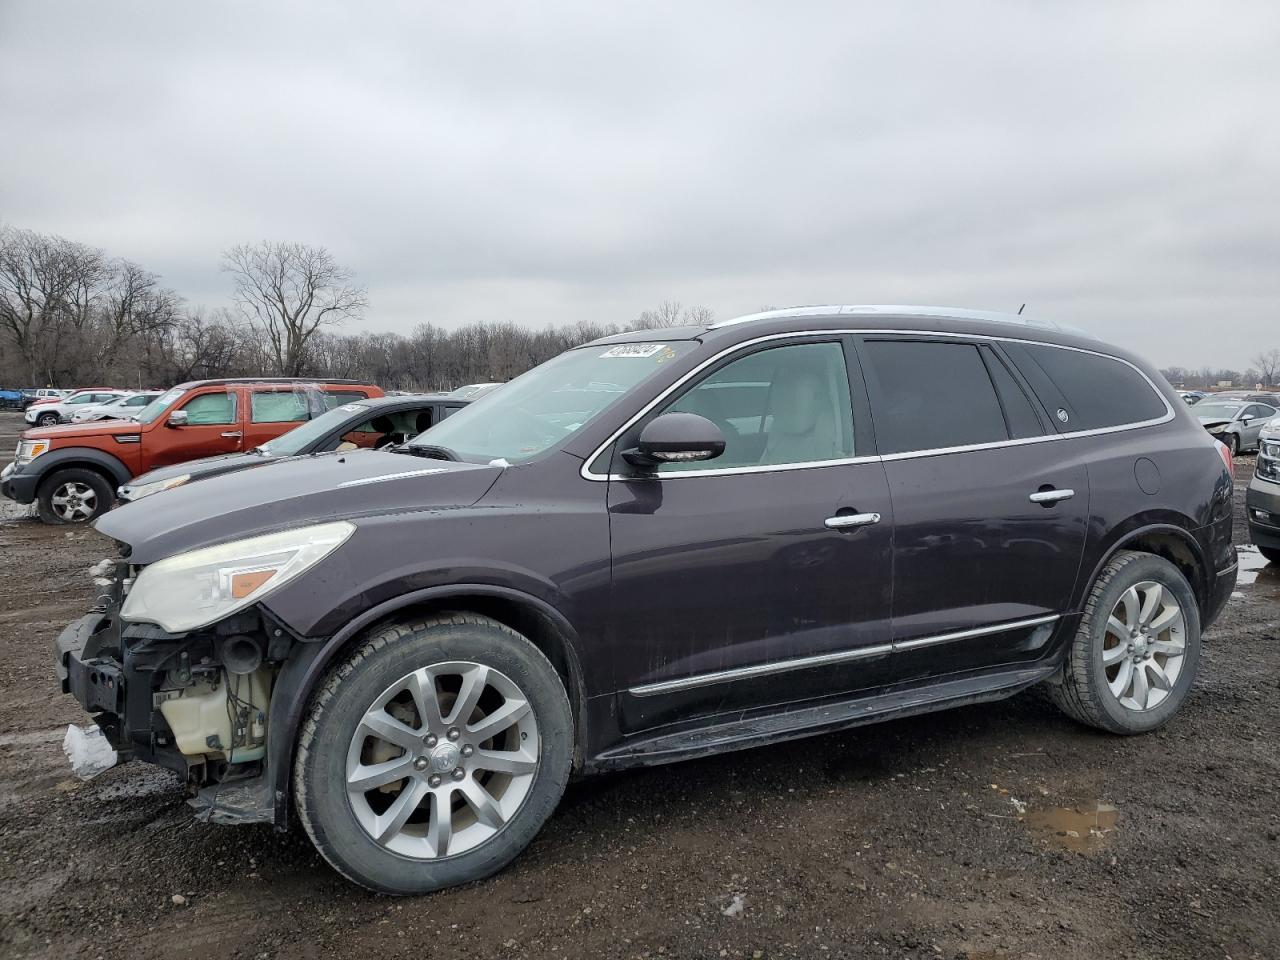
{"type": "Point", "coordinates": [28, 450]}
{"type": "Point", "coordinates": [133, 492]}
{"type": "Point", "coordinates": [192, 590]}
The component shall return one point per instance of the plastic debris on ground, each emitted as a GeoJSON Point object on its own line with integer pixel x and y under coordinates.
{"type": "Point", "coordinates": [89, 752]}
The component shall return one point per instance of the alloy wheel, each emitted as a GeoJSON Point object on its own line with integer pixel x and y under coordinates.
{"type": "Point", "coordinates": [442, 760]}
{"type": "Point", "coordinates": [74, 502]}
{"type": "Point", "coordinates": [1143, 646]}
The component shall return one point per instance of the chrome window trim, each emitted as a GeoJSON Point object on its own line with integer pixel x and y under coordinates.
{"type": "Point", "coordinates": [826, 659]}
{"type": "Point", "coordinates": [586, 473]}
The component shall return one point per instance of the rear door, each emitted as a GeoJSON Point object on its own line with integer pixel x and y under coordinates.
{"type": "Point", "coordinates": [272, 412]}
{"type": "Point", "coordinates": [213, 427]}
{"type": "Point", "coordinates": [989, 522]}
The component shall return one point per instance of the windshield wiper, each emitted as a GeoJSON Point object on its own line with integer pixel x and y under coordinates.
{"type": "Point", "coordinates": [428, 450]}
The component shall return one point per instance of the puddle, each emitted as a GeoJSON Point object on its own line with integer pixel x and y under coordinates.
{"type": "Point", "coordinates": [1083, 828]}
{"type": "Point", "coordinates": [1256, 576]}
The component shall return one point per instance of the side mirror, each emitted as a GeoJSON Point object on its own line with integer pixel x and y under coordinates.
{"type": "Point", "coordinates": [177, 419]}
{"type": "Point", "coordinates": [676, 438]}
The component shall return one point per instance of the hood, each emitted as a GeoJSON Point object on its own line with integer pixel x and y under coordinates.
{"type": "Point", "coordinates": [1213, 421]}
{"type": "Point", "coordinates": [70, 431]}
{"type": "Point", "coordinates": [291, 493]}
{"type": "Point", "coordinates": [202, 469]}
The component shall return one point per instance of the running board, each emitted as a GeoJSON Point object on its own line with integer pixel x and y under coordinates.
{"type": "Point", "coordinates": [802, 721]}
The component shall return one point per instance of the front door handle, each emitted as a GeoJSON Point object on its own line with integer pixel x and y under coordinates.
{"type": "Point", "coordinates": [229, 434]}
{"type": "Point", "coordinates": [840, 521]}
{"type": "Point", "coordinates": [1049, 497]}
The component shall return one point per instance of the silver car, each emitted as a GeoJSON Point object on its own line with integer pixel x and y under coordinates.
{"type": "Point", "coordinates": [1236, 423]}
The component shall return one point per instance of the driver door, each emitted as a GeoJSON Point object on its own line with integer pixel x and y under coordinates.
{"type": "Point", "coordinates": [732, 588]}
{"type": "Point", "coordinates": [213, 427]}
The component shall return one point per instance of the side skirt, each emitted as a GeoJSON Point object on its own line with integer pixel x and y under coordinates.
{"type": "Point", "coordinates": [802, 721]}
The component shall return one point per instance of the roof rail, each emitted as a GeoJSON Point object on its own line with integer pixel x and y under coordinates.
{"type": "Point", "coordinates": [281, 380]}
{"type": "Point", "coordinates": [950, 313]}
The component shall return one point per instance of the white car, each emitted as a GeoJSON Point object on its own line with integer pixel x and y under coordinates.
{"type": "Point", "coordinates": [121, 408]}
{"type": "Point", "coordinates": [50, 414]}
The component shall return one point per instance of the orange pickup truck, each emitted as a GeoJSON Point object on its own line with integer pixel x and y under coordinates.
{"type": "Point", "coordinates": [72, 471]}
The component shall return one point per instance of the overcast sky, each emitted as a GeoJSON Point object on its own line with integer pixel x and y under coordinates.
{"type": "Point", "coordinates": [1115, 166]}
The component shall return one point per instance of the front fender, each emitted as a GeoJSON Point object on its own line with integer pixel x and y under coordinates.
{"type": "Point", "coordinates": [309, 661]}
{"type": "Point", "coordinates": [60, 458]}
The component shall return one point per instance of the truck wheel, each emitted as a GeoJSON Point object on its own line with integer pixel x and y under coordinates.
{"type": "Point", "coordinates": [1134, 655]}
{"type": "Point", "coordinates": [75, 495]}
{"type": "Point", "coordinates": [433, 754]}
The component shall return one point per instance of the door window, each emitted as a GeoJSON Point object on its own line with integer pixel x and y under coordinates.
{"type": "Point", "coordinates": [277, 407]}
{"type": "Point", "coordinates": [1259, 411]}
{"type": "Point", "coordinates": [928, 395]}
{"type": "Point", "coordinates": [775, 407]}
{"type": "Point", "coordinates": [211, 409]}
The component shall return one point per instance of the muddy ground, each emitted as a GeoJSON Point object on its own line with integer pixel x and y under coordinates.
{"type": "Point", "coordinates": [965, 834]}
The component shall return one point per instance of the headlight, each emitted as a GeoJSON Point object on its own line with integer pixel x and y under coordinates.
{"type": "Point", "coordinates": [131, 493]}
{"type": "Point", "coordinates": [28, 450]}
{"type": "Point", "coordinates": [195, 589]}
{"type": "Point", "coordinates": [1217, 429]}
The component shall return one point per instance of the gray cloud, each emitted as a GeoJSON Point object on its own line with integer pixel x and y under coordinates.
{"type": "Point", "coordinates": [1115, 166]}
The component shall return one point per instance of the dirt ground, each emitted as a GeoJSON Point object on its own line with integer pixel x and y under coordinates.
{"type": "Point", "coordinates": [994, 831]}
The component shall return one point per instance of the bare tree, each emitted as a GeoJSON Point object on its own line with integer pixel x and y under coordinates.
{"type": "Point", "coordinates": [1268, 365]}
{"type": "Point", "coordinates": [289, 291]}
{"type": "Point", "coordinates": [670, 313]}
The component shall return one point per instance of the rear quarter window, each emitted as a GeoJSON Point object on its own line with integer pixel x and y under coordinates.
{"type": "Point", "coordinates": [1094, 390]}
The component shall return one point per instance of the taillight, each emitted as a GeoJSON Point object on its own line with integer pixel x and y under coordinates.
{"type": "Point", "coordinates": [1225, 453]}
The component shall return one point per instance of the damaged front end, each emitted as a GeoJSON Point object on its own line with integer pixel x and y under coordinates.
{"type": "Point", "coordinates": [177, 663]}
{"type": "Point", "coordinates": [196, 703]}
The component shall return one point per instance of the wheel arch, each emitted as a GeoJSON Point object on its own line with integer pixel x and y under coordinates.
{"type": "Point", "coordinates": [84, 458]}
{"type": "Point", "coordinates": [1168, 541]}
{"type": "Point", "coordinates": [544, 626]}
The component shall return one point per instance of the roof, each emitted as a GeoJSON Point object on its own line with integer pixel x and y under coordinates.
{"type": "Point", "coordinates": [947, 313]}
{"type": "Point", "coordinates": [318, 381]}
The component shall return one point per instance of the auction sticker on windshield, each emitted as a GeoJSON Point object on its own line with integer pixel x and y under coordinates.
{"type": "Point", "coordinates": [634, 350]}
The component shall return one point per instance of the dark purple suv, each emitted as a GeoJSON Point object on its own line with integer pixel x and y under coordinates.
{"type": "Point", "coordinates": [654, 547]}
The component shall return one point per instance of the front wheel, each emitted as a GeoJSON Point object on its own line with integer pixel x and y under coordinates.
{"type": "Point", "coordinates": [433, 755]}
{"type": "Point", "coordinates": [75, 495]}
{"type": "Point", "coordinates": [1133, 659]}
{"type": "Point", "coordinates": [1233, 444]}
{"type": "Point", "coordinates": [47, 420]}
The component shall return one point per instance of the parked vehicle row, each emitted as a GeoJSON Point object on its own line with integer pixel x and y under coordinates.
{"type": "Point", "coordinates": [1237, 423]}
{"type": "Point", "coordinates": [656, 546]}
{"type": "Point", "coordinates": [51, 411]}
{"type": "Point", "coordinates": [72, 472]}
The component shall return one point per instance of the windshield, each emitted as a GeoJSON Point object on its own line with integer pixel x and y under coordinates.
{"type": "Point", "coordinates": [296, 440]}
{"type": "Point", "coordinates": [1211, 410]}
{"type": "Point", "coordinates": [549, 403]}
{"type": "Point", "coordinates": [159, 405]}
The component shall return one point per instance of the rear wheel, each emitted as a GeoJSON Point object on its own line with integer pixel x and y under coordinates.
{"type": "Point", "coordinates": [433, 755]}
{"type": "Point", "coordinates": [75, 495]}
{"type": "Point", "coordinates": [1135, 653]}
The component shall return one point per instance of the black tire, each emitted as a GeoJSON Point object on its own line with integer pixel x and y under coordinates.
{"type": "Point", "coordinates": [1081, 689]}
{"type": "Point", "coordinates": [1272, 554]}
{"type": "Point", "coordinates": [102, 496]}
{"type": "Point", "coordinates": [47, 420]}
{"type": "Point", "coordinates": [379, 661]}
{"type": "Point", "coordinates": [1233, 444]}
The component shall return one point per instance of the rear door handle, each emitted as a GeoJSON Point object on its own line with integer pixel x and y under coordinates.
{"type": "Point", "coordinates": [1051, 496]}
{"type": "Point", "coordinates": [840, 521]}
{"type": "Point", "coordinates": [233, 433]}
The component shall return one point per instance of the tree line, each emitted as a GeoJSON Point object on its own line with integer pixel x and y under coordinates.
{"type": "Point", "coordinates": [1264, 373]}
{"type": "Point", "coordinates": [71, 315]}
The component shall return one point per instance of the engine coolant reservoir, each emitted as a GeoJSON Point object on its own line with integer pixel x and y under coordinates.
{"type": "Point", "coordinates": [205, 721]}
